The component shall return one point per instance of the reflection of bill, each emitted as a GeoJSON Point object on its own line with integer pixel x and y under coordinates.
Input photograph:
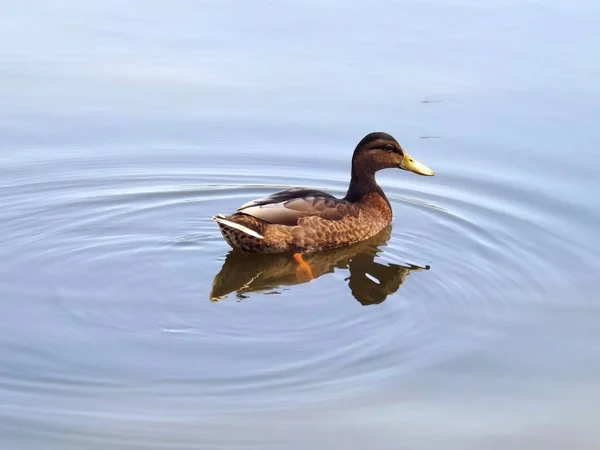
{"type": "Point", "coordinates": [370, 282]}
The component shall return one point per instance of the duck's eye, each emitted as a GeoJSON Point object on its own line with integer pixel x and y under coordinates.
{"type": "Point", "coordinates": [389, 147]}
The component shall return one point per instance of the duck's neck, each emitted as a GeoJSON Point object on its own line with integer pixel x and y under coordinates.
{"type": "Point", "coordinates": [364, 188]}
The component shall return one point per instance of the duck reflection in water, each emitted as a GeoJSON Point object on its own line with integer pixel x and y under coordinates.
{"type": "Point", "coordinates": [370, 282]}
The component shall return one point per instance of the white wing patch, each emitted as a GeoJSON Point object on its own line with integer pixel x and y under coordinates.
{"type": "Point", "coordinates": [237, 226]}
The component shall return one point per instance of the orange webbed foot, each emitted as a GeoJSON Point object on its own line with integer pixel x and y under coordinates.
{"type": "Point", "coordinates": [304, 269]}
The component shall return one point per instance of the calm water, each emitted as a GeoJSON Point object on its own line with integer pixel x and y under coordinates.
{"type": "Point", "coordinates": [125, 323]}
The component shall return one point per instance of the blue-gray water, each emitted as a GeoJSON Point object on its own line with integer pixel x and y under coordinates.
{"type": "Point", "coordinates": [124, 126]}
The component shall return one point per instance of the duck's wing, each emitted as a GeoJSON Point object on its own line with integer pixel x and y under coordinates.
{"type": "Point", "coordinates": [288, 206]}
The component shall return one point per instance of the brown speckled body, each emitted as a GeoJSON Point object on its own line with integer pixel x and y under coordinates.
{"type": "Point", "coordinates": [372, 214]}
{"type": "Point", "coordinates": [305, 220]}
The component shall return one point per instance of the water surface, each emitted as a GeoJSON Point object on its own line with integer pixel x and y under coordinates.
{"type": "Point", "coordinates": [126, 322]}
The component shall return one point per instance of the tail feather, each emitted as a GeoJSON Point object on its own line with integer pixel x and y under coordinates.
{"type": "Point", "coordinates": [220, 219]}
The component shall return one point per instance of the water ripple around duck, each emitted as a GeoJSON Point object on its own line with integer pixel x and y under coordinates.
{"type": "Point", "coordinates": [124, 260]}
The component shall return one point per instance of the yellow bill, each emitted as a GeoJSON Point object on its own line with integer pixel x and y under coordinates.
{"type": "Point", "coordinates": [412, 165]}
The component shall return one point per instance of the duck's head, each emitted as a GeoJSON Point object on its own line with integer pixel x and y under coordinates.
{"type": "Point", "coordinates": [378, 151]}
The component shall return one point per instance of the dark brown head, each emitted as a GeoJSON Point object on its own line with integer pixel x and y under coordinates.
{"type": "Point", "coordinates": [378, 151]}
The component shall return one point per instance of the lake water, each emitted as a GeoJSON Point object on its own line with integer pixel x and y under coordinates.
{"type": "Point", "coordinates": [472, 322]}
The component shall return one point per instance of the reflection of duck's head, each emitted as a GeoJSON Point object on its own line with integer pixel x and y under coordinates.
{"type": "Point", "coordinates": [370, 282]}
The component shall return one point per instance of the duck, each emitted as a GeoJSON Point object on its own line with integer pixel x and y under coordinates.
{"type": "Point", "coordinates": [302, 220]}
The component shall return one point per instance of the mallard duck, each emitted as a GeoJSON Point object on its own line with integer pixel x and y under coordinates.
{"type": "Point", "coordinates": [301, 220]}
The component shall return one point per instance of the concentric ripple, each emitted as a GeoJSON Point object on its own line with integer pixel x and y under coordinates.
{"type": "Point", "coordinates": [112, 265]}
